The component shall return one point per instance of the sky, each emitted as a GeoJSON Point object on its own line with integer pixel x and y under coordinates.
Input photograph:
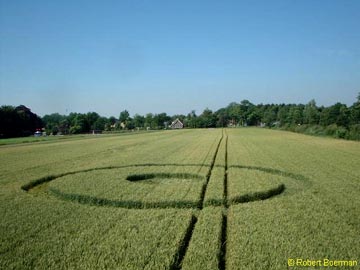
{"type": "Point", "coordinates": [176, 56]}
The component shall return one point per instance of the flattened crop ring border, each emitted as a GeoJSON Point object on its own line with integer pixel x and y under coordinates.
{"type": "Point", "coordinates": [136, 204]}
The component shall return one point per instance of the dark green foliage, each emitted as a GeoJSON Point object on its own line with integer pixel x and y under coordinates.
{"type": "Point", "coordinates": [53, 122]}
{"type": "Point", "coordinates": [354, 133]}
{"type": "Point", "coordinates": [152, 121]}
{"type": "Point", "coordinates": [74, 123]}
{"type": "Point", "coordinates": [311, 114]}
{"type": "Point", "coordinates": [207, 119]}
{"type": "Point", "coordinates": [124, 116]}
{"type": "Point", "coordinates": [333, 130]}
{"type": "Point", "coordinates": [18, 122]}
{"type": "Point", "coordinates": [139, 120]}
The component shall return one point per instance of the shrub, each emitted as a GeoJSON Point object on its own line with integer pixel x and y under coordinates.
{"type": "Point", "coordinates": [301, 128]}
{"type": "Point", "coordinates": [354, 133]}
{"type": "Point", "coordinates": [341, 132]}
{"type": "Point", "coordinates": [331, 129]}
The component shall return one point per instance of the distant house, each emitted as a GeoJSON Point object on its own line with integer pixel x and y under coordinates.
{"type": "Point", "coordinates": [176, 124]}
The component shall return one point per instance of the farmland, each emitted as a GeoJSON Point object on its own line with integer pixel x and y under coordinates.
{"type": "Point", "coordinates": [188, 199]}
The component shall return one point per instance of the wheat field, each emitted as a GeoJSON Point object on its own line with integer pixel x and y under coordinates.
{"type": "Point", "coordinates": [247, 198]}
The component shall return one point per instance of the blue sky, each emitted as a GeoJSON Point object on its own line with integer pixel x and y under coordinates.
{"type": "Point", "coordinates": [176, 56]}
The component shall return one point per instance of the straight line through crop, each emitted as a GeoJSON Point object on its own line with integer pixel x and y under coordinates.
{"type": "Point", "coordinates": [222, 258]}
{"type": "Point", "coordinates": [203, 191]}
{"type": "Point", "coordinates": [180, 254]}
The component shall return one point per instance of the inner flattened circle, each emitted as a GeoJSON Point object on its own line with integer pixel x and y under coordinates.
{"type": "Point", "coordinates": [147, 176]}
{"type": "Point", "coordinates": [140, 177]}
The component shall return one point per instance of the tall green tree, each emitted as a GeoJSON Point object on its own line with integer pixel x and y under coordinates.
{"type": "Point", "coordinates": [52, 122]}
{"type": "Point", "coordinates": [139, 121]}
{"type": "Point", "coordinates": [336, 114]}
{"type": "Point", "coordinates": [149, 120]}
{"type": "Point", "coordinates": [191, 120]}
{"type": "Point", "coordinates": [311, 113]}
{"type": "Point", "coordinates": [295, 116]}
{"type": "Point", "coordinates": [234, 112]}
{"type": "Point", "coordinates": [124, 118]}
{"type": "Point", "coordinates": [18, 121]}
{"type": "Point", "coordinates": [207, 119]}
{"type": "Point", "coordinates": [282, 115]}
{"type": "Point", "coordinates": [99, 124]}
{"type": "Point", "coordinates": [355, 112]}
{"type": "Point", "coordinates": [270, 115]}
{"type": "Point", "coordinates": [222, 118]}
{"type": "Point", "coordinates": [91, 119]}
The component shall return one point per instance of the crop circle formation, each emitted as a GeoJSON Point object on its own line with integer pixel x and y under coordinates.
{"type": "Point", "coordinates": [148, 186]}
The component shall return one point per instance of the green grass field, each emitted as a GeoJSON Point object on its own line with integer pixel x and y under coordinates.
{"type": "Point", "coordinates": [186, 199]}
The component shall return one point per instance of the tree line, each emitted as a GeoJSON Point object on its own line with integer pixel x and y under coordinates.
{"type": "Point", "coordinates": [338, 120]}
